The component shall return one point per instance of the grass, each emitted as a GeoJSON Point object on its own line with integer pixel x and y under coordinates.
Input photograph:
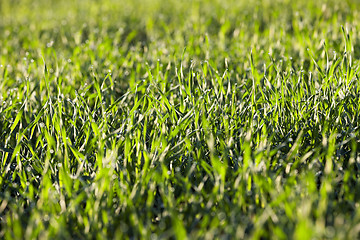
{"type": "Point", "coordinates": [167, 119]}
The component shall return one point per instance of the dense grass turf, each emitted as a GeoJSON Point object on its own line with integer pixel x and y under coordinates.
{"type": "Point", "coordinates": [166, 119]}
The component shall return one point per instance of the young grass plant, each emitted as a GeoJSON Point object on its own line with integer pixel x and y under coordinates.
{"type": "Point", "coordinates": [197, 119]}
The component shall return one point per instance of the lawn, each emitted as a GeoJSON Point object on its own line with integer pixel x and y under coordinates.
{"type": "Point", "coordinates": [196, 119]}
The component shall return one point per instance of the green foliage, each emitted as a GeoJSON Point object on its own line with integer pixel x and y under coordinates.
{"type": "Point", "coordinates": [174, 119]}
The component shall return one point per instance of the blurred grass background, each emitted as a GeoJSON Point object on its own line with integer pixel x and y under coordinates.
{"type": "Point", "coordinates": [210, 30]}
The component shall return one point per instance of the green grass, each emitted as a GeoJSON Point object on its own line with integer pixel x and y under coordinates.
{"type": "Point", "coordinates": [166, 119]}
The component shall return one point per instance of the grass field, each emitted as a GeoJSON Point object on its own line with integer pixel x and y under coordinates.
{"type": "Point", "coordinates": [174, 119]}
